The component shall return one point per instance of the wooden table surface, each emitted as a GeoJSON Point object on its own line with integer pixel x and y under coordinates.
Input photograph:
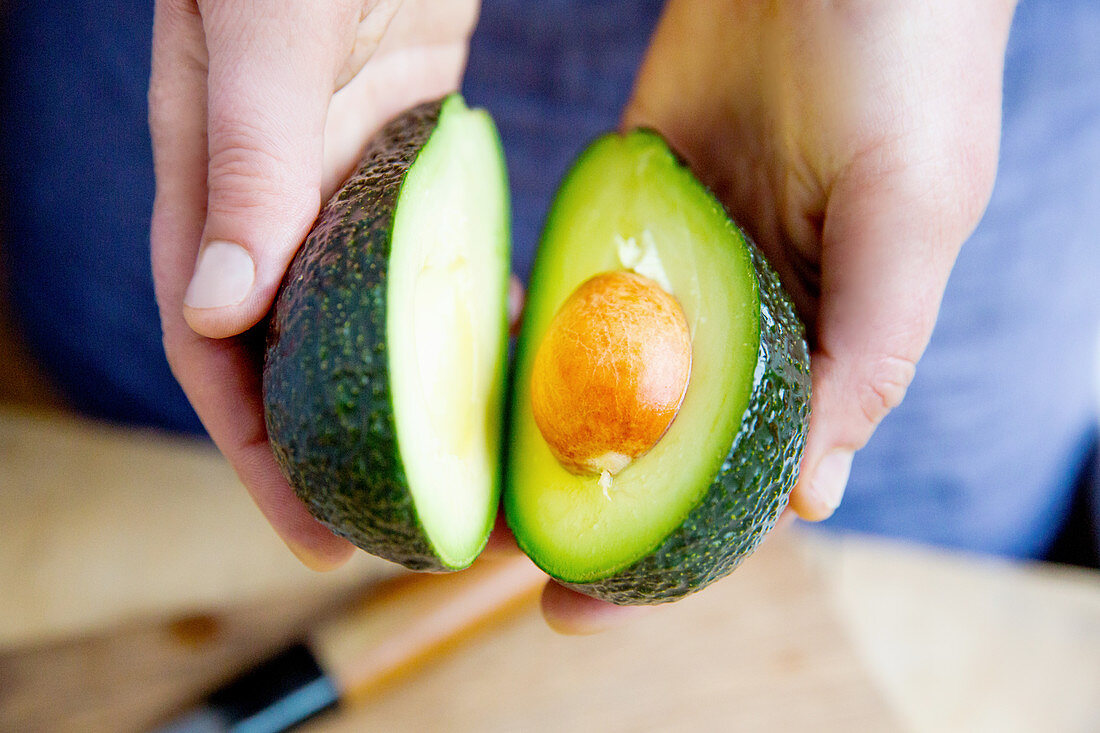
{"type": "Point", "coordinates": [137, 575]}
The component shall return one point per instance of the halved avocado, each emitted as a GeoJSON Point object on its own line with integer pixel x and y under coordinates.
{"type": "Point", "coordinates": [385, 360]}
{"type": "Point", "coordinates": [704, 495]}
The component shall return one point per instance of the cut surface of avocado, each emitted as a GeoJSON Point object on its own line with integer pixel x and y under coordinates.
{"type": "Point", "coordinates": [636, 192]}
{"type": "Point", "coordinates": [445, 302]}
{"type": "Point", "coordinates": [646, 536]}
{"type": "Point", "coordinates": [385, 365]}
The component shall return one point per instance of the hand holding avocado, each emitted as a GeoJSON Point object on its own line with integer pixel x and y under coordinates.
{"type": "Point", "coordinates": [256, 118]}
{"type": "Point", "coordinates": [858, 146]}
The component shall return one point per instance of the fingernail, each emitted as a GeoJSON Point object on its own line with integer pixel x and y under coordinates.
{"type": "Point", "coordinates": [223, 276]}
{"type": "Point", "coordinates": [831, 477]}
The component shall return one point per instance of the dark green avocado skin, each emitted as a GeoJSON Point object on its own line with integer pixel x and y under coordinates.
{"type": "Point", "coordinates": [752, 488]}
{"type": "Point", "coordinates": [326, 388]}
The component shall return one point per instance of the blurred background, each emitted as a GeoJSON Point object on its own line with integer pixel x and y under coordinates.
{"type": "Point", "coordinates": [955, 589]}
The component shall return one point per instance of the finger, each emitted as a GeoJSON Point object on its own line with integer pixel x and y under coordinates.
{"type": "Point", "coordinates": [219, 377]}
{"type": "Point", "coordinates": [569, 612]}
{"type": "Point", "coordinates": [501, 540]}
{"type": "Point", "coordinates": [890, 241]}
{"type": "Point", "coordinates": [271, 76]}
{"type": "Point", "coordinates": [516, 302]}
{"type": "Point", "coordinates": [419, 57]}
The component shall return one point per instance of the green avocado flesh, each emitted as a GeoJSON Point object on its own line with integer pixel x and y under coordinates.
{"type": "Point", "coordinates": [384, 368]}
{"type": "Point", "coordinates": [686, 512]}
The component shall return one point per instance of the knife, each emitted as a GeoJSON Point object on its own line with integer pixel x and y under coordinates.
{"type": "Point", "coordinates": [389, 632]}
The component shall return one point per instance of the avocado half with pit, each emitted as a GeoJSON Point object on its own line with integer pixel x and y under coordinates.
{"type": "Point", "coordinates": [384, 370]}
{"type": "Point", "coordinates": [659, 393]}
{"type": "Point", "coordinates": [687, 497]}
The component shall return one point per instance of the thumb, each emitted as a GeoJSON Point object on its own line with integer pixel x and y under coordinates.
{"type": "Point", "coordinates": [270, 79]}
{"type": "Point", "coordinates": [889, 244]}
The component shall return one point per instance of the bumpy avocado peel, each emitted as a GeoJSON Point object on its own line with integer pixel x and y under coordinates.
{"type": "Point", "coordinates": [327, 400]}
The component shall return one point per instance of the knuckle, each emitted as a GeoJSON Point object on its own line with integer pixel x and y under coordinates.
{"type": "Point", "coordinates": [250, 170]}
{"type": "Point", "coordinates": [244, 173]}
{"type": "Point", "coordinates": [890, 377]}
{"type": "Point", "coordinates": [177, 11]}
{"type": "Point", "coordinates": [977, 171]}
{"type": "Point", "coordinates": [242, 147]}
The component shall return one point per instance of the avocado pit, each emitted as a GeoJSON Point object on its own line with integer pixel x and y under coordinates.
{"type": "Point", "coordinates": [611, 373]}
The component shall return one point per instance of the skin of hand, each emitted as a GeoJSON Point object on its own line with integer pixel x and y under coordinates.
{"type": "Point", "coordinates": [857, 143]}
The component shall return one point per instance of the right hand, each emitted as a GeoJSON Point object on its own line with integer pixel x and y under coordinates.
{"type": "Point", "coordinates": [257, 113]}
{"type": "Point", "coordinates": [857, 142]}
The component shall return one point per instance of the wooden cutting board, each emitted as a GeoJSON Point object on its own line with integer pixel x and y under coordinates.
{"type": "Point", "coordinates": [760, 651]}
{"type": "Point", "coordinates": [137, 575]}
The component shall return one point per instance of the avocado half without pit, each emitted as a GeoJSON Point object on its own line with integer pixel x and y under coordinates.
{"type": "Point", "coordinates": [384, 371]}
{"type": "Point", "coordinates": [659, 391]}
